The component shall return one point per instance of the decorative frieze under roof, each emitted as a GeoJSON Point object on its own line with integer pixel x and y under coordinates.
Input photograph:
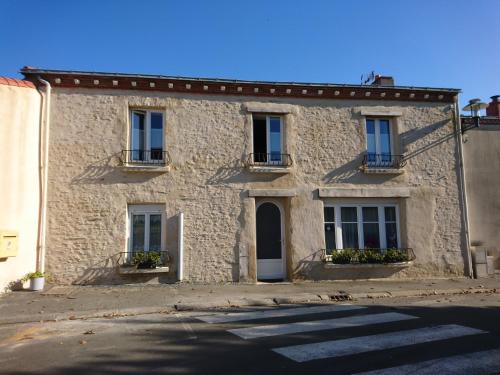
{"type": "Point", "coordinates": [99, 80]}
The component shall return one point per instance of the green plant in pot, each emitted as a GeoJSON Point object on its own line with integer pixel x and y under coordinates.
{"type": "Point", "coordinates": [36, 279]}
{"type": "Point", "coordinates": [146, 259]}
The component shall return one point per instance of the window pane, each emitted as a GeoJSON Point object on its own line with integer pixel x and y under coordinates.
{"type": "Point", "coordinates": [259, 140]}
{"type": "Point", "coordinates": [370, 139]}
{"type": "Point", "coordinates": [390, 213]}
{"type": "Point", "coordinates": [391, 235]}
{"type": "Point", "coordinates": [371, 235]}
{"type": "Point", "coordinates": [138, 222]}
{"type": "Point", "coordinates": [350, 235]}
{"type": "Point", "coordinates": [385, 138]}
{"type": "Point", "coordinates": [138, 140]}
{"type": "Point", "coordinates": [370, 214]}
{"type": "Point", "coordinates": [275, 138]}
{"type": "Point", "coordinates": [349, 214]}
{"type": "Point", "coordinates": [330, 236]}
{"type": "Point", "coordinates": [156, 136]}
{"type": "Point", "coordinates": [329, 214]}
{"type": "Point", "coordinates": [154, 232]}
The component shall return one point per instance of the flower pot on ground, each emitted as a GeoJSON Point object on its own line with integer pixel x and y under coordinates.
{"type": "Point", "coordinates": [36, 279]}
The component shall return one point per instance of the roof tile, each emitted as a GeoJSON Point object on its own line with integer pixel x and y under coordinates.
{"type": "Point", "coordinates": [16, 82]}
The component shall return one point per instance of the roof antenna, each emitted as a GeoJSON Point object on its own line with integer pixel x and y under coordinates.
{"type": "Point", "coordinates": [367, 79]}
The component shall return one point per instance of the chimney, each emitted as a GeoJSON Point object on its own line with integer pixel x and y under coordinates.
{"type": "Point", "coordinates": [494, 107]}
{"type": "Point", "coordinates": [383, 81]}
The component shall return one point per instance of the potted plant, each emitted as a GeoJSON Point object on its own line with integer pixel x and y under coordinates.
{"type": "Point", "coordinates": [36, 279]}
{"type": "Point", "coordinates": [148, 259]}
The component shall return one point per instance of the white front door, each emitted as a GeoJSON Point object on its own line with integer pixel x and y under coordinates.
{"type": "Point", "coordinates": [270, 244]}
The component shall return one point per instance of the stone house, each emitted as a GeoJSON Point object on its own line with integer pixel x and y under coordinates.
{"type": "Point", "coordinates": [239, 181]}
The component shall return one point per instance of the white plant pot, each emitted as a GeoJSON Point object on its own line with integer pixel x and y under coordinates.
{"type": "Point", "coordinates": [37, 283]}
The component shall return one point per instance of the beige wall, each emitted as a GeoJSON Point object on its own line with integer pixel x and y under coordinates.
{"type": "Point", "coordinates": [481, 160]}
{"type": "Point", "coordinates": [208, 137]}
{"type": "Point", "coordinates": [19, 189]}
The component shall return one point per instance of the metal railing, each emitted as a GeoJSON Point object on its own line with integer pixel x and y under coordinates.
{"type": "Point", "coordinates": [144, 259]}
{"type": "Point", "coordinates": [269, 159]}
{"type": "Point", "coordinates": [149, 157]}
{"type": "Point", "coordinates": [383, 161]}
{"type": "Point", "coordinates": [368, 256]}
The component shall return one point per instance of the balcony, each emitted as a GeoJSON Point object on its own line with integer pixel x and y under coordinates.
{"type": "Point", "coordinates": [145, 160]}
{"type": "Point", "coordinates": [383, 163]}
{"type": "Point", "coordinates": [143, 262]}
{"type": "Point", "coordinates": [269, 162]}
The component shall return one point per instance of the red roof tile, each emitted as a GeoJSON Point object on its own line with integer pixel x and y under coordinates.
{"type": "Point", "coordinates": [16, 82]}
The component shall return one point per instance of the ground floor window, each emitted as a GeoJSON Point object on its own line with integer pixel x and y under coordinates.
{"type": "Point", "coordinates": [146, 228]}
{"type": "Point", "coordinates": [361, 226]}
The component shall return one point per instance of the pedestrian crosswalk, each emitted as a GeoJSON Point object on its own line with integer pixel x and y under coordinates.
{"type": "Point", "coordinates": [301, 323]}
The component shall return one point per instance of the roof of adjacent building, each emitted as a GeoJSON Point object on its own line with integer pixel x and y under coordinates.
{"type": "Point", "coordinates": [16, 82]}
{"type": "Point", "coordinates": [66, 78]}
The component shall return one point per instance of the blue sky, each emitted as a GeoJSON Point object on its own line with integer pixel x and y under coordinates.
{"type": "Point", "coordinates": [437, 43]}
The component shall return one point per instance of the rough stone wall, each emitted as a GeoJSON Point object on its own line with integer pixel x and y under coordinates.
{"type": "Point", "coordinates": [208, 138]}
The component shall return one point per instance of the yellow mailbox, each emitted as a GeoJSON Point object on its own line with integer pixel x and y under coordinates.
{"type": "Point", "coordinates": [9, 243]}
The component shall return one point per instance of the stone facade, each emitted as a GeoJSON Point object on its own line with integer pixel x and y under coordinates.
{"type": "Point", "coordinates": [208, 138]}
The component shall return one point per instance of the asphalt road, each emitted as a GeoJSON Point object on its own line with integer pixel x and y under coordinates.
{"type": "Point", "coordinates": [457, 334]}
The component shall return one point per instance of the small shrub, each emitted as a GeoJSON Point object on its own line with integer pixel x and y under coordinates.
{"type": "Point", "coordinates": [395, 256]}
{"type": "Point", "coordinates": [138, 257]}
{"type": "Point", "coordinates": [344, 256]}
{"type": "Point", "coordinates": [146, 259]}
{"type": "Point", "coordinates": [32, 275]}
{"type": "Point", "coordinates": [370, 256]}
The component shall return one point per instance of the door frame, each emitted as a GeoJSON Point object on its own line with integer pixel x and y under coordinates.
{"type": "Point", "coordinates": [283, 238]}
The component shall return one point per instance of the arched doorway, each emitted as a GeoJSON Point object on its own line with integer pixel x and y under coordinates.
{"type": "Point", "coordinates": [270, 244]}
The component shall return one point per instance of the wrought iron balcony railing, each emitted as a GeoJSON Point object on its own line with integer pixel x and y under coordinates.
{"type": "Point", "coordinates": [371, 160]}
{"type": "Point", "coordinates": [368, 256]}
{"type": "Point", "coordinates": [269, 159]}
{"type": "Point", "coordinates": [146, 157]}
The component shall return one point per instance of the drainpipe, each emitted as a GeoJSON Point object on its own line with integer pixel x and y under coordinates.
{"type": "Point", "coordinates": [180, 256]}
{"type": "Point", "coordinates": [463, 187]}
{"type": "Point", "coordinates": [44, 175]}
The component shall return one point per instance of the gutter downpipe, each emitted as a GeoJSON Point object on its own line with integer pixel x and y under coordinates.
{"type": "Point", "coordinates": [44, 172]}
{"type": "Point", "coordinates": [463, 188]}
{"type": "Point", "coordinates": [180, 255]}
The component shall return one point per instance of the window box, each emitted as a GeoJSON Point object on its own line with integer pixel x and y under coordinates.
{"type": "Point", "coordinates": [130, 263]}
{"type": "Point", "coordinates": [368, 258]}
{"type": "Point", "coordinates": [147, 162]}
{"type": "Point", "coordinates": [269, 163]}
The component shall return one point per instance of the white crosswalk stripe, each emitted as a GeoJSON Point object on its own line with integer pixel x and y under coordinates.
{"type": "Point", "coordinates": [276, 313]}
{"type": "Point", "coordinates": [478, 363]}
{"type": "Point", "coordinates": [356, 345]}
{"type": "Point", "coordinates": [318, 325]}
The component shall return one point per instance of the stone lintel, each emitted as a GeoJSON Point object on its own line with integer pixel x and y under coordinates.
{"type": "Point", "coordinates": [380, 112]}
{"type": "Point", "coordinates": [395, 192]}
{"type": "Point", "coordinates": [272, 193]}
{"type": "Point", "coordinates": [258, 107]}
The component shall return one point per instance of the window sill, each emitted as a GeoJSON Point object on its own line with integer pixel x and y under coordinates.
{"type": "Point", "coordinates": [269, 169]}
{"type": "Point", "coordinates": [329, 265]}
{"type": "Point", "coordinates": [145, 168]}
{"type": "Point", "coordinates": [130, 270]}
{"type": "Point", "coordinates": [375, 170]}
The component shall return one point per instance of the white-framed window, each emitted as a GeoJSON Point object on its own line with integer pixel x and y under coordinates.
{"type": "Point", "coordinates": [267, 139]}
{"type": "Point", "coordinates": [361, 226]}
{"type": "Point", "coordinates": [146, 135]}
{"type": "Point", "coordinates": [379, 141]}
{"type": "Point", "coordinates": [146, 228]}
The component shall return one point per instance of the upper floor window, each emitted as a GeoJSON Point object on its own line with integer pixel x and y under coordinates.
{"type": "Point", "coordinates": [146, 137]}
{"type": "Point", "coordinates": [379, 142]}
{"type": "Point", "coordinates": [268, 141]}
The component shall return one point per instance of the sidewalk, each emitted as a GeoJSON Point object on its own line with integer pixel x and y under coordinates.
{"type": "Point", "coordinates": [79, 302]}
